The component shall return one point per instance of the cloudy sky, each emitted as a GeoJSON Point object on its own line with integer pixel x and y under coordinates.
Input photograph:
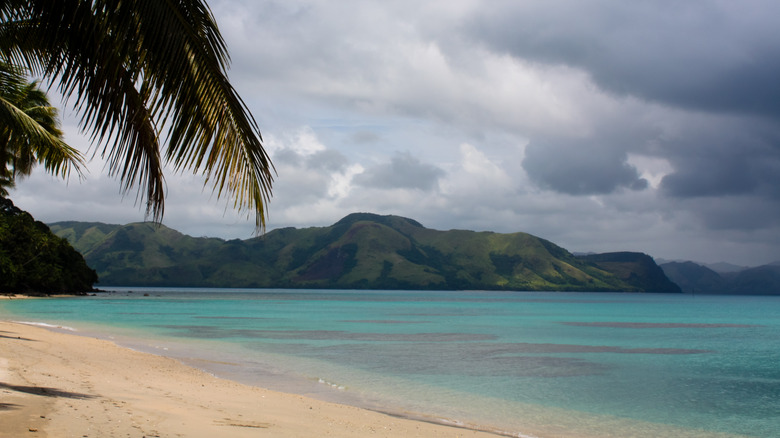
{"type": "Point", "coordinates": [600, 125]}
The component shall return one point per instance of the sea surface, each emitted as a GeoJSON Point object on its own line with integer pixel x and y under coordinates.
{"type": "Point", "coordinates": [525, 364]}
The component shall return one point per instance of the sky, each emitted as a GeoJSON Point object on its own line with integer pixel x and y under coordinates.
{"type": "Point", "coordinates": [649, 126]}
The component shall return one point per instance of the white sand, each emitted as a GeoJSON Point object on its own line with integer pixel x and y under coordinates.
{"type": "Point", "coordinates": [60, 385]}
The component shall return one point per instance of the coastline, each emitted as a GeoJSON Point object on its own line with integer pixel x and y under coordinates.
{"type": "Point", "coordinates": [5, 296]}
{"type": "Point", "coordinates": [164, 402]}
{"type": "Point", "coordinates": [20, 296]}
{"type": "Point", "coordinates": [58, 384]}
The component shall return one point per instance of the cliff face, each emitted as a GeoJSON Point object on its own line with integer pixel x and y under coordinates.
{"type": "Point", "coordinates": [361, 251]}
{"type": "Point", "coordinates": [635, 268]}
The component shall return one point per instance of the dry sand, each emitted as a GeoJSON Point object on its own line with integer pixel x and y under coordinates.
{"type": "Point", "coordinates": [60, 385]}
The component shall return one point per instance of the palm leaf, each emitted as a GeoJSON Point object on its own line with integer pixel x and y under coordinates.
{"type": "Point", "coordinates": [28, 129]}
{"type": "Point", "coordinates": [56, 156]}
{"type": "Point", "coordinates": [137, 67]}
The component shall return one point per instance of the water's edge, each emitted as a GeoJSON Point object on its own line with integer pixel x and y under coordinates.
{"type": "Point", "coordinates": [286, 341]}
{"type": "Point", "coordinates": [321, 390]}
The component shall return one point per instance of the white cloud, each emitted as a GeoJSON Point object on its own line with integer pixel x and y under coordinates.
{"type": "Point", "coordinates": [341, 184]}
{"type": "Point", "coordinates": [475, 174]}
{"type": "Point", "coordinates": [652, 169]}
{"type": "Point", "coordinates": [430, 110]}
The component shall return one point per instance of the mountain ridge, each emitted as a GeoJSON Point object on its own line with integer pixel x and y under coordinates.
{"type": "Point", "coordinates": [696, 278]}
{"type": "Point", "coordinates": [360, 251]}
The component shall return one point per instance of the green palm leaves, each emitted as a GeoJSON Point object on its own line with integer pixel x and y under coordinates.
{"type": "Point", "coordinates": [29, 131]}
{"type": "Point", "coordinates": [143, 74]}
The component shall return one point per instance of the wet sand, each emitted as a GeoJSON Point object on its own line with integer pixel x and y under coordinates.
{"type": "Point", "coordinates": [55, 384]}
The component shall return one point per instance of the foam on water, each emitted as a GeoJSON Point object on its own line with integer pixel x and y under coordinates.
{"type": "Point", "coordinates": [47, 325]}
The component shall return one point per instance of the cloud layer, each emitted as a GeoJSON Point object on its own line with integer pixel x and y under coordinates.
{"type": "Point", "coordinates": [606, 125]}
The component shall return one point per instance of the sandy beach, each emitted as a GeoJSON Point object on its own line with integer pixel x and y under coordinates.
{"type": "Point", "coordinates": [62, 385]}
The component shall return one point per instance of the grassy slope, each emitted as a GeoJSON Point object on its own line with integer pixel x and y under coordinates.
{"type": "Point", "coordinates": [360, 251]}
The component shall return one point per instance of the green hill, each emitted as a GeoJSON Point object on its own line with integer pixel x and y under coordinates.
{"type": "Point", "coordinates": [83, 235]}
{"type": "Point", "coordinates": [33, 260]}
{"type": "Point", "coordinates": [361, 251]}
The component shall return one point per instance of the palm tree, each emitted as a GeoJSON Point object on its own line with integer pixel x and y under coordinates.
{"type": "Point", "coordinates": [142, 74]}
{"type": "Point", "coordinates": [29, 131]}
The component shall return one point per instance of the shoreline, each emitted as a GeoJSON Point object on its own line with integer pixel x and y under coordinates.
{"type": "Point", "coordinates": [60, 384]}
{"type": "Point", "coordinates": [21, 296]}
{"type": "Point", "coordinates": [504, 418]}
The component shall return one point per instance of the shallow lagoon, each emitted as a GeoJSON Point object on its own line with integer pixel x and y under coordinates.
{"type": "Point", "coordinates": [525, 363]}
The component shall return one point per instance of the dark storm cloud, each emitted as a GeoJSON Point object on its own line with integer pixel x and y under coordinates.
{"type": "Point", "coordinates": [714, 65]}
{"type": "Point", "coordinates": [404, 172]}
{"type": "Point", "coordinates": [580, 169]}
{"type": "Point", "coordinates": [709, 175]}
{"type": "Point", "coordinates": [704, 55]}
{"type": "Point", "coordinates": [744, 213]}
{"type": "Point", "coordinates": [729, 158]}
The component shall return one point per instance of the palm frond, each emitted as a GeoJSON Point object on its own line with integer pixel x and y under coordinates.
{"type": "Point", "coordinates": [24, 134]}
{"type": "Point", "coordinates": [211, 128]}
{"type": "Point", "coordinates": [29, 128]}
{"type": "Point", "coordinates": [136, 67]}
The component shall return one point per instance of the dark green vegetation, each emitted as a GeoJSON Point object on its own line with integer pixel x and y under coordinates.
{"type": "Point", "coordinates": [694, 278]}
{"type": "Point", "coordinates": [34, 260]}
{"type": "Point", "coordinates": [361, 251]}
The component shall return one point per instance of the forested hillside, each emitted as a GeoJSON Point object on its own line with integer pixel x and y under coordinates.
{"type": "Point", "coordinates": [361, 251]}
{"type": "Point", "coordinates": [35, 261]}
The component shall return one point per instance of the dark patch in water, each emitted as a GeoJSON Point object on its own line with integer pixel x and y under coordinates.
{"type": "Point", "coordinates": [483, 348]}
{"type": "Point", "coordinates": [451, 359]}
{"type": "Point", "coordinates": [525, 348]}
{"type": "Point", "coordinates": [642, 325]}
{"type": "Point", "coordinates": [444, 312]}
{"type": "Point", "coordinates": [51, 312]}
{"type": "Point", "coordinates": [385, 321]}
{"type": "Point", "coordinates": [535, 366]}
{"type": "Point", "coordinates": [253, 318]}
{"type": "Point", "coordinates": [207, 332]}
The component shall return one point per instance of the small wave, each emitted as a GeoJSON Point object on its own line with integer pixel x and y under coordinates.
{"type": "Point", "coordinates": [468, 426]}
{"type": "Point", "coordinates": [332, 385]}
{"type": "Point", "coordinates": [43, 324]}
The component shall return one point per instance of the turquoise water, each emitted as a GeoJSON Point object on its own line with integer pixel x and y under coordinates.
{"type": "Point", "coordinates": [524, 363]}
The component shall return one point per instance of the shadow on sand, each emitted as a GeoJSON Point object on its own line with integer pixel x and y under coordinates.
{"type": "Point", "coordinates": [15, 337]}
{"type": "Point", "coordinates": [45, 392]}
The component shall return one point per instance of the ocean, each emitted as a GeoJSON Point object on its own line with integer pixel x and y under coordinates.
{"type": "Point", "coordinates": [524, 364]}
